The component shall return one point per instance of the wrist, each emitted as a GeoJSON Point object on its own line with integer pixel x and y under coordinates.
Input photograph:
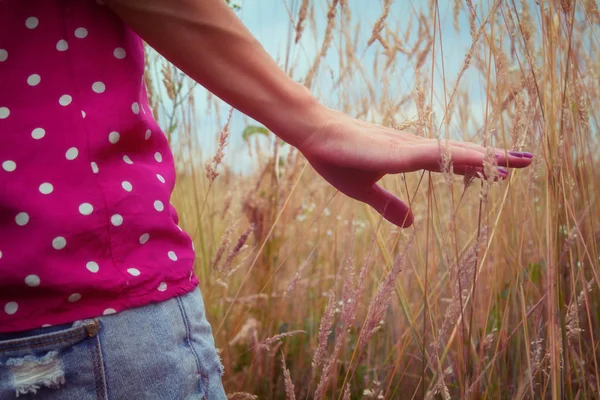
{"type": "Point", "coordinates": [296, 118]}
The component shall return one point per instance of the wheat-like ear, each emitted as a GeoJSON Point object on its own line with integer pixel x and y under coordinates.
{"type": "Point", "coordinates": [287, 380]}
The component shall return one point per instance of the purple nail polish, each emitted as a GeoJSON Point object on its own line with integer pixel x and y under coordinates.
{"type": "Point", "coordinates": [520, 154]}
{"type": "Point", "coordinates": [502, 171]}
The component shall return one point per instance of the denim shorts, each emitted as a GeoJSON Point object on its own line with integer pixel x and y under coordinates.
{"type": "Point", "coordinates": [159, 351]}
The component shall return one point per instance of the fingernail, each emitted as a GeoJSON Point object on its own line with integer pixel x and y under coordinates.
{"type": "Point", "coordinates": [520, 154]}
{"type": "Point", "coordinates": [503, 171]}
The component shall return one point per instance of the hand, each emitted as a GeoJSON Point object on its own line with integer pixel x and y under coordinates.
{"type": "Point", "coordinates": [353, 155]}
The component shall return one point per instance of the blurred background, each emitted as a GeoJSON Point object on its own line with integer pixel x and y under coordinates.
{"type": "Point", "coordinates": [493, 293]}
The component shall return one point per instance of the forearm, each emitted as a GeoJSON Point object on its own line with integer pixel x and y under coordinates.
{"type": "Point", "coordinates": [206, 40]}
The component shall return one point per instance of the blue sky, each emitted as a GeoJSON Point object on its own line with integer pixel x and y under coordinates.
{"type": "Point", "coordinates": [270, 21]}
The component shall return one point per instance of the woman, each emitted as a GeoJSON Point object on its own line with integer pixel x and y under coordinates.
{"type": "Point", "coordinates": [97, 293]}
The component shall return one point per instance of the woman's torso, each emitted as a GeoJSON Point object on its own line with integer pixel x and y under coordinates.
{"type": "Point", "coordinates": [86, 175]}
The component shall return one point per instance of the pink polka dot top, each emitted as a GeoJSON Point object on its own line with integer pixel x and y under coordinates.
{"type": "Point", "coordinates": [86, 175]}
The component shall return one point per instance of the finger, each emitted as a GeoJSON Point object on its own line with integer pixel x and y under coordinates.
{"type": "Point", "coordinates": [388, 205]}
{"type": "Point", "coordinates": [502, 154]}
{"type": "Point", "coordinates": [428, 155]}
{"type": "Point", "coordinates": [474, 158]}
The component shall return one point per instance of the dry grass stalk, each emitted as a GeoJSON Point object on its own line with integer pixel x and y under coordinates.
{"type": "Point", "coordinates": [380, 303]}
{"type": "Point", "coordinates": [326, 43]}
{"type": "Point", "coordinates": [572, 317]}
{"type": "Point", "coordinates": [211, 167]}
{"type": "Point", "coordinates": [439, 388]}
{"type": "Point", "coordinates": [347, 393]}
{"type": "Point", "coordinates": [287, 379]}
{"type": "Point", "coordinates": [446, 166]}
{"type": "Point", "coordinates": [324, 332]}
{"type": "Point", "coordinates": [268, 342]}
{"type": "Point", "coordinates": [241, 396]}
{"type": "Point", "coordinates": [292, 285]}
{"type": "Point", "coordinates": [380, 24]}
{"type": "Point", "coordinates": [351, 297]}
{"type": "Point", "coordinates": [472, 18]}
{"type": "Point", "coordinates": [248, 334]}
{"type": "Point", "coordinates": [239, 248]}
{"type": "Point", "coordinates": [376, 392]}
{"type": "Point", "coordinates": [222, 249]}
{"type": "Point", "coordinates": [169, 81]}
{"type": "Point", "coordinates": [456, 8]}
{"type": "Point", "coordinates": [302, 13]}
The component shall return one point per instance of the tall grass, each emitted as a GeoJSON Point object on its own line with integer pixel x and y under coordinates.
{"type": "Point", "coordinates": [493, 293]}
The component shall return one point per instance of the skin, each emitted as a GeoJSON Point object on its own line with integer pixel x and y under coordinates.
{"type": "Point", "coordinates": [206, 40]}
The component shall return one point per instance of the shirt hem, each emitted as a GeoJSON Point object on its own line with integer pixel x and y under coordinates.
{"type": "Point", "coordinates": [124, 302]}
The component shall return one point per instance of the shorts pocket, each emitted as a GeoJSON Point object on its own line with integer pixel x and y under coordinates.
{"type": "Point", "coordinates": [62, 362]}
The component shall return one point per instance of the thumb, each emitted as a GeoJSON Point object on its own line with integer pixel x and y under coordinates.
{"type": "Point", "coordinates": [388, 205]}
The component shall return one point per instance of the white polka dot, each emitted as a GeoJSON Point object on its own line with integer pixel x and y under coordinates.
{"type": "Point", "coordinates": [32, 280]}
{"type": "Point", "coordinates": [38, 133]}
{"type": "Point", "coordinates": [11, 307]}
{"type": "Point", "coordinates": [9, 165]}
{"type": "Point", "coordinates": [135, 107]}
{"type": "Point", "coordinates": [173, 256]}
{"type": "Point", "coordinates": [62, 45]}
{"type": "Point", "coordinates": [3, 55]}
{"type": "Point", "coordinates": [92, 266]}
{"type": "Point", "coordinates": [119, 53]}
{"type": "Point", "coordinates": [160, 178]}
{"type": "Point", "coordinates": [148, 134]}
{"type": "Point", "coordinates": [94, 167]}
{"type": "Point", "coordinates": [33, 80]}
{"type": "Point", "coordinates": [65, 100]}
{"type": "Point", "coordinates": [109, 311]}
{"type": "Point", "coordinates": [32, 22]}
{"type": "Point", "coordinates": [83, 114]}
{"type": "Point", "coordinates": [0, 254]}
{"type": "Point", "coordinates": [22, 218]}
{"type": "Point", "coordinates": [46, 326]}
{"type": "Point", "coordinates": [158, 156]}
{"type": "Point", "coordinates": [134, 271]}
{"type": "Point", "coordinates": [158, 205]}
{"type": "Point", "coordinates": [59, 243]}
{"type": "Point", "coordinates": [46, 188]}
{"type": "Point", "coordinates": [162, 287]}
{"type": "Point", "coordinates": [114, 137]}
{"type": "Point", "coordinates": [98, 87]}
{"type": "Point", "coordinates": [72, 153]}
{"type": "Point", "coordinates": [80, 33]}
{"type": "Point", "coordinates": [144, 238]}
{"type": "Point", "coordinates": [116, 220]}
{"type": "Point", "coordinates": [127, 186]}
{"type": "Point", "coordinates": [86, 208]}
{"type": "Point", "coordinates": [4, 112]}
{"type": "Point", "coordinates": [127, 160]}
{"type": "Point", "coordinates": [75, 297]}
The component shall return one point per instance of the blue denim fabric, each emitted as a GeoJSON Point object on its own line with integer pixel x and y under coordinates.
{"type": "Point", "coordinates": [159, 351]}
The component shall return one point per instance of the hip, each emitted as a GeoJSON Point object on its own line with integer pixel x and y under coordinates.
{"type": "Point", "coordinates": [159, 351]}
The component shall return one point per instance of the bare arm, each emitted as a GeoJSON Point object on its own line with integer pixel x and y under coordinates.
{"type": "Point", "coordinates": [207, 41]}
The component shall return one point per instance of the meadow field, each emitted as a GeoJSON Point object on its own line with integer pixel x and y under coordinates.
{"type": "Point", "coordinates": [493, 293]}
